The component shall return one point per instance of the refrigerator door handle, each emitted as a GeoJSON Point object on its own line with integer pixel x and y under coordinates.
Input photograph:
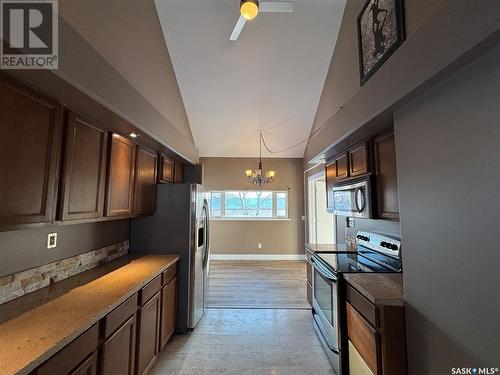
{"type": "Point", "coordinates": [207, 233]}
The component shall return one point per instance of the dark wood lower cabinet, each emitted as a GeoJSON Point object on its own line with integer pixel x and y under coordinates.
{"type": "Point", "coordinates": [76, 358]}
{"type": "Point", "coordinates": [168, 312]}
{"type": "Point", "coordinates": [118, 351]}
{"type": "Point", "coordinates": [88, 367]}
{"type": "Point", "coordinates": [148, 335]}
{"type": "Point", "coordinates": [128, 339]}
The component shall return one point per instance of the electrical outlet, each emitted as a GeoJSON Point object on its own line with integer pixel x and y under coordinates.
{"type": "Point", "coordinates": [259, 245]}
{"type": "Point", "coordinates": [350, 222]}
{"type": "Point", "coordinates": [51, 240]}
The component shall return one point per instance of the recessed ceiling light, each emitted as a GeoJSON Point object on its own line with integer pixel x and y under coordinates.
{"type": "Point", "coordinates": [133, 135]}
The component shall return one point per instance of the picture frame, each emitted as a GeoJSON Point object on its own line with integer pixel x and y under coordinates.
{"type": "Point", "coordinates": [380, 26]}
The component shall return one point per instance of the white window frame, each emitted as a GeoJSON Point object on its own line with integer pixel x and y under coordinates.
{"type": "Point", "coordinates": [275, 217]}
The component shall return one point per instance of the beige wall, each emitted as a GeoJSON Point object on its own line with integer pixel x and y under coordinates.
{"type": "Point", "coordinates": [241, 237]}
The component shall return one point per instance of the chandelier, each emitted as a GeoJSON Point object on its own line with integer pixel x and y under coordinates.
{"type": "Point", "coordinates": [256, 176]}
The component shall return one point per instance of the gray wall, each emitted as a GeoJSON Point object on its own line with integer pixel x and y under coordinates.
{"type": "Point", "coordinates": [24, 249]}
{"type": "Point", "coordinates": [448, 154]}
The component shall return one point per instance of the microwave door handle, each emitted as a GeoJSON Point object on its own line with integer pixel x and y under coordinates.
{"type": "Point", "coordinates": [359, 193]}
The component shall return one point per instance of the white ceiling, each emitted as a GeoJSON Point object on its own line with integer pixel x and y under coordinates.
{"type": "Point", "coordinates": [271, 78]}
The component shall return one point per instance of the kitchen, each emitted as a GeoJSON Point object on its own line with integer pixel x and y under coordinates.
{"type": "Point", "coordinates": [120, 171]}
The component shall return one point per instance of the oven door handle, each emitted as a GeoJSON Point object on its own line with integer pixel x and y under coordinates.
{"type": "Point", "coordinates": [323, 338]}
{"type": "Point", "coordinates": [324, 271]}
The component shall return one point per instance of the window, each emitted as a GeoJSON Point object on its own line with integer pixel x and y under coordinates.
{"type": "Point", "coordinates": [249, 204]}
{"type": "Point", "coordinates": [215, 204]}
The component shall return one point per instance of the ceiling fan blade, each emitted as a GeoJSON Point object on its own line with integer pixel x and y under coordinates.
{"type": "Point", "coordinates": [237, 29]}
{"type": "Point", "coordinates": [276, 6]}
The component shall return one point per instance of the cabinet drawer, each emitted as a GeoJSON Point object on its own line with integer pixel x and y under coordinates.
{"type": "Point", "coordinates": [363, 337]}
{"type": "Point", "coordinates": [150, 290]}
{"type": "Point", "coordinates": [357, 366]}
{"type": "Point", "coordinates": [169, 274]}
{"type": "Point", "coordinates": [120, 315]}
{"type": "Point", "coordinates": [365, 307]}
{"type": "Point", "coordinates": [72, 355]}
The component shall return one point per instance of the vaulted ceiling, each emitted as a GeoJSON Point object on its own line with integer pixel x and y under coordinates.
{"type": "Point", "coordinates": [270, 79]}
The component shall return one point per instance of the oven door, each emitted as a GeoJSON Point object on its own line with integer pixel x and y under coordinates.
{"type": "Point", "coordinates": [325, 304]}
{"type": "Point", "coordinates": [353, 199]}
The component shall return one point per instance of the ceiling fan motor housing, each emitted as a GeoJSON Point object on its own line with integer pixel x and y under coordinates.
{"type": "Point", "coordinates": [249, 8]}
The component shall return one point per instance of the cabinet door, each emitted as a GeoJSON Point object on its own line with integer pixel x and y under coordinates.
{"type": "Point", "coordinates": [88, 367]}
{"type": "Point", "coordinates": [178, 173]}
{"type": "Point", "coordinates": [148, 335]}
{"type": "Point", "coordinates": [166, 169]}
{"type": "Point", "coordinates": [341, 166]}
{"type": "Point", "coordinates": [168, 311]}
{"type": "Point", "coordinates": [145, 180]}
{"type": "Point", "coordinates": [359, 160]}
{"type": "Point", "coordinates": [120, 177]}
{"type": "Point", "coordinates": [29, 153]}
{"type": "Point", "coordinates": [386, 176]}
{"type": "Point", "coordinates": [84, 172]}
{"type": "Point", "coordinates": [118, 352]}
{"type": "Point", "coordinates": [330, 172]}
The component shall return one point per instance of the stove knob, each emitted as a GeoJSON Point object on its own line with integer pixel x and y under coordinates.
{"type": "Point", "coordinates": [359, 237]}
{"type": "Point", "coordinates": [394, 247]}
{"type": "Point", "coordinates": [383, 244]}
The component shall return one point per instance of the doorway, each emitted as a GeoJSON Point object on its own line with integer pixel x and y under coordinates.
{"type": "Point", "coordinates": [321, 224]}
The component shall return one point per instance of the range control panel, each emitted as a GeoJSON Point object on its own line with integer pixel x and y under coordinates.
{"type": "Point", "coordinates": [378, 242]}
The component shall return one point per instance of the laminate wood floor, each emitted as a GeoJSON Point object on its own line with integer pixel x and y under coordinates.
{"type": "Point", "coordinates": [247, 342]}
{"type": "Point", "coordinates": [257, 284]}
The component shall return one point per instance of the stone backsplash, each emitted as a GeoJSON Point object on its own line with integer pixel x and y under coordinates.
{"type": "Point", "coordinates": [21, 283]}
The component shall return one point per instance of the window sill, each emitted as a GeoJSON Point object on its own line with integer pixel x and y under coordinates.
{"type": "Point", "coordinates": [249, 219]}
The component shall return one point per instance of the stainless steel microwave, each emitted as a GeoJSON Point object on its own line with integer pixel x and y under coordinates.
{"type": "Point", "coordinates": [353, 198]}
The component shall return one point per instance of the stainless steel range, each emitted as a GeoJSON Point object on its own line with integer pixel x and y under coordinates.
{"type": "Point", "coordinates": [374, 253]}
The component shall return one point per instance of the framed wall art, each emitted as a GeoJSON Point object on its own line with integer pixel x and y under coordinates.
{"type": "Point", "coordinates": [380, 33]}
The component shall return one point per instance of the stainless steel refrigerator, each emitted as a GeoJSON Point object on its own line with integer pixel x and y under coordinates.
{"type": "Point", "coordinates": [181, 226]}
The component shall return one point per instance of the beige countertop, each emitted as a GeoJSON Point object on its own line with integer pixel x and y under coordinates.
{"type": "Point", "coordinates": [38, 325]}
{"type": "Point", "coordinates": [379, 288]}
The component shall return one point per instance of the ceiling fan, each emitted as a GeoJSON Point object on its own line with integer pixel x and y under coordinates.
{"type": "Point", "coordinates": [250, 8]}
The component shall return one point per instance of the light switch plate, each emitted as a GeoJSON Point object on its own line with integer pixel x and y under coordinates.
{"type": "Point", "coordinates": [51, 240]}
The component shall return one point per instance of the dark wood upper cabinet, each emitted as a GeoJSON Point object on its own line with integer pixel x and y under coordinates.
{"type": "Point", "coordinates": [386, 176]}
{"type": "Point", "coordinates": [341, 166]}
{"type": "Point", "coordinates": [84, 172]}
{"type": "Point", "coordinates": [359, 160]}
{"type": "Point", "coordinates": [168, 312]}
{"type": "Point", "coordinates": [148, 335]}
{"type": "Point", "coordinates": [145, 182]}
{"type": "Point", "coordinates": [166, 169]}
{"type": "Point", "coordinates": [29, 154]}
{"type": "Point", "coordinates": [178, 173]}
{"type": "Point", "coordinates": [121, 169]}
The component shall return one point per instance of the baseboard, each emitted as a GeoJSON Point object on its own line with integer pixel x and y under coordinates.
{"type": "Point", "coordinates": [257, 256]}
